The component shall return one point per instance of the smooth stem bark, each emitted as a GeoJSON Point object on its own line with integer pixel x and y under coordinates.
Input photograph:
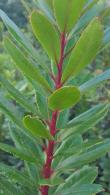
{"type": "Point", "coordinates": [47, 169]}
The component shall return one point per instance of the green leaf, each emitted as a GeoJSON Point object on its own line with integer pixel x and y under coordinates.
{"type": "Point", "coordinates": [15, 31]}
{"type": "Point", "coordinates": [63, 98]}
{"type": "Point", "coordinates": [21, 39]}
{"type": "Point", "coordinates": [42, 4]}
{"type": "Point", "coordinates": [70, 146]}
{"type": "Point", "coordinates": [42, 105]}
{"type": "Point", "coordinates": [36, 127]}
{"type": "Point", "coordinates": [67, 13]}
{"type": "Point", "coordinates": [51, 182]}
{"type": "Point", "coordinates": [95, 81]}
{"type": "Point", "coordinates": [86, 157]}
{"type": "Point", "coordinates": [12, 113]}
{"type": "Point", "coordinates": [88, 189]}
{"type": "Point", "coordinates": [90, 40]}
{"type": "Point", "coordinates": [88, 114]}
{"type": "Point", "coordinates": [85, 121]}
{"type": "Point", "coordinates": [18, 153]}
{"type": "Point", "coordinates": [20, 98]}
{"type": "Point", "coordinates": [90, 4]}
{"type": "Point", "coordinates": [26, 143]}
{"type": "Point", "coordinates": [63, 118]}
{"type": "Point", "coordinates": [46, 34]}
{"type": "Point", "coordinates": [92, 142]}
{"type": "Point", "coordinates": [10, 110]}
{"type": "Point", "coordinates": [106, 40]}
{"type": "Point", "coordinates": [6, 187]}
{"type": "Point", "coordinates": [85, 175]}
{"type": "Point", "coordinates": [50, 3]}
{"type": "Point", "coordinates": [95, 11]}
{"type": "Point", "coordinates": [33, 172]}
{"type": "Point", "coordinates": [24, 65]}
{"type": "Point", "coordinates": [15, 176]}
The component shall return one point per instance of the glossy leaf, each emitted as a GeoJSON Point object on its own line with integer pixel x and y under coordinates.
{"type": "Point", "coordinates": [63, 98]}
{"type": "Point", "coordinates": [20, 98]}
{"type": "Point", "coordinates": [24, 65]}
{"type": "Point", "coordinates": [46, 34]}
{"type": "Point", "coordinates": [18, 153]}
{"type": "Point", "coordinates": [36, 127]}
{"type": "Point", "coordinates": [67, 13]}
{"type": "Point", "coordinates": [90, 40]}
{"type": "Point", "coordinates": [95, 81]}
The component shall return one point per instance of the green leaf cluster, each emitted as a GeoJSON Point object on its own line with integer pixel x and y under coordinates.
{"type": "Point", "coordinates": [78, 22]}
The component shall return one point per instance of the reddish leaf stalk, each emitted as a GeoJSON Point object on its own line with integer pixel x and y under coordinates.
{"type": "Point", "coordinates": [47, 169]}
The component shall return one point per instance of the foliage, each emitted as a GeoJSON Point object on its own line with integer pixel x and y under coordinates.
{"type": "Point", "coordinates": [55, 154]}
{"type": "Point", "coordinates": [19, 16]}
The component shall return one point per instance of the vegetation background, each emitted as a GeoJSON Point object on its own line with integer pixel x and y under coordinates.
{"type": "Point", "coordinates": [18, 11]}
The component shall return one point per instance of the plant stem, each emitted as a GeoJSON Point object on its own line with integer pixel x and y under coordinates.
{"type": "Point", "coordinates": [47, 169]}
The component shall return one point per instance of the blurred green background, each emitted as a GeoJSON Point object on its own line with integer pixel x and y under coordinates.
{"type": "Point", "coordinates": [18, 11]}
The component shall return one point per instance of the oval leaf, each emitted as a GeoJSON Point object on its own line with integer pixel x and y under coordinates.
{"type": "Point", "coordinates": [64, 98]}
{"type": "Point", "coordinates": [46, 34]}
{"type": "Point", "coordinates": [24, 65]}
{"type": "Point", "coordinates": [36, 127]}
{"type": "Point", "coordinates": [85, 50]}
{"type": "Point", "coordinates": [67, 13]}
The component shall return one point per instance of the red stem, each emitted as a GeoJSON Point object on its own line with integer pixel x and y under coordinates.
{"type": "Point", "coordinates": [47, 169]}
{"type": "Point", "coordinates": [60, 64]}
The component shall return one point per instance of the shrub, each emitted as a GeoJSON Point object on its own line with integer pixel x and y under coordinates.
{"type": "Point", "coordinates": [56, 157]}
